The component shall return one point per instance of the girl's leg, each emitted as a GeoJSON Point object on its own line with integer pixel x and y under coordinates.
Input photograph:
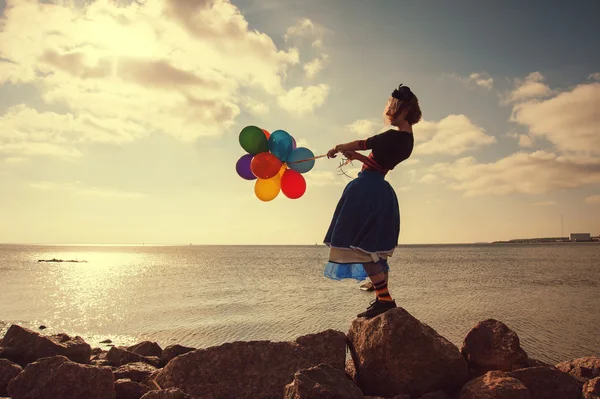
{"type": "Point", "coordinates": [379, 277]}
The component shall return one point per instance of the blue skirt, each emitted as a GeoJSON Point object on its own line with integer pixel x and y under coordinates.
{"type": "Point", "coordinates": [365, 226]}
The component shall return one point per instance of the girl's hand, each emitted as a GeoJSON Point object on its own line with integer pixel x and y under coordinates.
{"type": "Point", "coordinates": [332, 153]}
{"type": "Point", "coordinates": [351, 155]}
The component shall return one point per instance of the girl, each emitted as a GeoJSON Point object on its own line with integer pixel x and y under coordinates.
{"type": "Point", "coordinates": [365, 227]}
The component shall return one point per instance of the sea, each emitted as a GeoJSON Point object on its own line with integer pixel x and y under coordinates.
{"type": "Point", "coordinates": [202, 296]}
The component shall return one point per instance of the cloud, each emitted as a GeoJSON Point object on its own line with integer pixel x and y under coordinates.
{"type": "Point", "coordinates": [594, 199]}
{"type": "Point", "coordinates": [477, 79]}
{"type": "Point", "coordinates": [306, 30]}
{"type": "Point", "coordinates": [569, 120]}
{"type": "Point", "coordinates": [81, 189]}
{"type": "Point", "coordinates": [594, 76]}
{"type": "Point", "coordinates": [454, 135]}
{"type": "Point", "coordinates": [25, 132]}
{"type": "Point", "coordinates": [255, 106]}
{"type": "Point", "coordinates": [429, 179]}
{"type": "Point", "coordinates": [524, 173]}
{"type": "Point", "coordinates": [544, 203]}
{"type": "Point", "coordinates": [313, 67]}
{"type": "Point", "coordinates": [525, 140]}
{"type": "Point", "coordinates": [301, 101]}
{"type": "Point", "coordinates": [364, 127]}
{"type": "Point", "coordinates": [170, 66]}
{"type": "Point", "coordinates": [530, 88]}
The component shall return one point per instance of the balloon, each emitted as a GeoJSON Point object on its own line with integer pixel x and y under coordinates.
{"type": "Point", "coordinates": [267, 189]}
{"type": "Point", "coordinates": [265, 165]}
{"type": "Point", "coordinates": [299, 154]}
{"type": "Point", "coordinates": [280, 144]}
{"type": "Point", "coordinates": [267, 134]}
{"type": "Point", "coordinates": [282, 170]}
{"type": "Point", "coordinates": [293, 184]}
{"type": "Point", "coordinates": [253, 140]}
{"type": "Point", "coordinates": [242, 167]}
{"type": "Point", "coordinates": [293, 143]}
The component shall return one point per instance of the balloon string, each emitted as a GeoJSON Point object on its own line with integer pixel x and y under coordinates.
{"type": "Point", "coordinates": [307, 159]}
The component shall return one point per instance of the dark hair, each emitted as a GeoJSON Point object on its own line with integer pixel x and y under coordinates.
{"type": "Point", "coordinates": [401, 99]}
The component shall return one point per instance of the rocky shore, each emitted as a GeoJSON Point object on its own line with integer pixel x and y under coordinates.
{"type": "Point", "coordinates": [393, 356]}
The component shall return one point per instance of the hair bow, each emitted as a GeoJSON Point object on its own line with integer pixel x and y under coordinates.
{"type": "Point", "coordinates": [403, 93]}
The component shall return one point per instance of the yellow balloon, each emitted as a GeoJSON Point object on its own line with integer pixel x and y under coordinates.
{"type": "Point", "coordinates": [282, 170]}
{"type": "Point", "coordinates": [267, 189]}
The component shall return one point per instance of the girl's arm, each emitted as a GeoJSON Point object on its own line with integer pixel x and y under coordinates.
{"type": "Point", "coordinates": [351, 146]}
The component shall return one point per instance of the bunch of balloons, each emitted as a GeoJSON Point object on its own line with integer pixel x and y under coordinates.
{"type": "Point", "coordinates": [271, 161]}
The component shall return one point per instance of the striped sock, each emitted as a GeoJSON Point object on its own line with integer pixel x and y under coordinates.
{"type": "Point", "coordinates": [380, 282]}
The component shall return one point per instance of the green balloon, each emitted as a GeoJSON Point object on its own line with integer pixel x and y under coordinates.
{"type": "Point", "coordinates": [253, 140]}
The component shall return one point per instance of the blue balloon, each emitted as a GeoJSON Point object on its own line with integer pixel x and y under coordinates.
{"type": "Point", "coordinates": [299, 154]}
{"type": "Point", "coordinates": [281, 144]}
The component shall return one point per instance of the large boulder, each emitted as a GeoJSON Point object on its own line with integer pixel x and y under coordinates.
{"type": "Point", "coordinates": [584, 368]}
{"type": "Point", "coordinates": [173, 351]}
{"type": "Point", "coordinates": [137, 371]}
{"type": "Point", "coordinates": [591, 389]}
{"type": "Point", "coordinates": [8, 371]}
{"type": "Point", "coordinates": [58, 377]}
{"type": "Point", "coordinates": [495, 385]}
{"type": "Point", "coordinates": [27, 346]}
{"type": "Point", "coordinates": [548, 383]}
{"type": "Point", "coordinates": [119, 356]}
{"type": "Point", "coordinates": [127, 389]}
{"type": "Point", "coordinates": [435, 395]}
{"type": "Point", "coordinates": [171, 393]}
{"type": "Point", "coordinates": [252, 370]}
{"type": "Point", "coordinates": [322, 382]}
{"type": "Point", "coordinates": [146, 348]}
{"type": "Point", "coordinates": [395, 353]}
{"type": "Point", "coordinates": [491, 345]}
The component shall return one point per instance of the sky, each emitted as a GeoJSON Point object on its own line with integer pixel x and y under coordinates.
{"type": "Point", "coordinates": [119, 120]}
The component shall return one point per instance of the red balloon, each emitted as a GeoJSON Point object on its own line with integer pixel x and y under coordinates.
{"type": "Point", "coordinates": [266, 133]}
{"type": "Point", "coordinates": [293, 184]}
{"type": "Point", "coordinates": [265, 165]}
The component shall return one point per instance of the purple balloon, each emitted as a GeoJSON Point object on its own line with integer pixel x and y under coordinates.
{"type": "Point", "coordinates": [293, 143]}
{"type": "Point", "coordinates": [242, 167]}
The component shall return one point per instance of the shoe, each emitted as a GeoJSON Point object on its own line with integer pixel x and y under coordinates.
{"type": "Point", "coordinates": [377, 308]}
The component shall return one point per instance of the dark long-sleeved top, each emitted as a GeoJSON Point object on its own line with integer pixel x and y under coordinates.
{"type": "Point", "coordinates": [388, 149]}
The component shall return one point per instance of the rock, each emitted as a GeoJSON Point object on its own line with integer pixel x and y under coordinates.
{"type": "Point", "coordinates": [58, 377]}
{"type": "Point", "coordinates": [495, 385]}
{"type": "Point", "coordinates": [491, 345]}
{"type": "Point", "coordinates": [119, 356]}
{"type": "Point", "coordinates": [137, 371]}
{"type": "Point", "coordinates": [172, 351]}
{"type": "Point", "coordinates": [584, 368]}
{"type": "Point", "coordinates": [28, 346]}
{"type": "Point", "coordinates": [395, 353]}
{"type": "Point", "coordinates": [322, 382]}
{"type": "Point", "coordinates": [42, 327]}
{"type": "Point", "coordinates": [351, 370]}
{"type": "Point", "coordinates": [548, 383]}
{"type": "Point", "coordinates": [127, 389]}
{"type": "Point", "coordinates": [252, 370]}
{"type": "Point", "coordinates": [171, 393]}
{"type": "Point", "coordinates": [106, 341]}
{"type": "Point", "coordinates": [591, 389]}
{"type": "Point", "coordinates": [97, 352]}
{"type": "Point", "coordinates": [146, 348]}
{"type": "Point", "coordinates": [435, 395]}
{"type": "Point", "coordinates": [529, 362]}
{"type": "Point", "coordinates": [8, 371]}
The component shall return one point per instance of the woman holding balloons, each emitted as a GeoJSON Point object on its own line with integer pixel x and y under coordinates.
{"type": "Point", "coordinates": [365, 226]}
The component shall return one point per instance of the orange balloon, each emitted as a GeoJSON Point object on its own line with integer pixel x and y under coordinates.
{"type": "Point", "coordinates": [265, 165]}
{"type": "Point", "coordinates": [282, 170]}
{"type": "Point", "coordinates": [267, 189]}
{"type": "Point", "coordinates": [266, 133]}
